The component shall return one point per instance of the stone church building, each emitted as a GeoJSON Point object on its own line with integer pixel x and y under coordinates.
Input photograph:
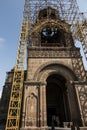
{"type": "Point", "coordinates": [55, 77]}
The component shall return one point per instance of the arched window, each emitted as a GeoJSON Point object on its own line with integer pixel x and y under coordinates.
{"type": "Point", "coordinates": [51, 36]}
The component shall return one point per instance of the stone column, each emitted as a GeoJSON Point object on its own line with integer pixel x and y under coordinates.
{"type": "Point", "coordinates": [43, 105]}
{"type": "Point", "coordinates": [69, 100]}
{"type": "Point", "coordinates": [23, 111]}
{"type": "Point", "coordinates": [73, 104]}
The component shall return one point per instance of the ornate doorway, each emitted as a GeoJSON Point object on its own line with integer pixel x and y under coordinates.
{"type": "Point", "coordinates": [57, 99]}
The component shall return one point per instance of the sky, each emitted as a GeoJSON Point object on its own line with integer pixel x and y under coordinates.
{"type": "Point", "coordinates": [10, 21]}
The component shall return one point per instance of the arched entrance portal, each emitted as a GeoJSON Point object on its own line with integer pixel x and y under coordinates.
{"type": "Point", "coordinates": [57, 99]}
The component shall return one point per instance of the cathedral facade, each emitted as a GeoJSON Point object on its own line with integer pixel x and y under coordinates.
{"type": "Point", "coordinates": [55, 76]}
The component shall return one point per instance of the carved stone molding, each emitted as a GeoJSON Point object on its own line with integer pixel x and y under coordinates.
{"type": "Point", "coordinates": [53, 52]}
{"type": "Point", "coordinates": [34, 83]}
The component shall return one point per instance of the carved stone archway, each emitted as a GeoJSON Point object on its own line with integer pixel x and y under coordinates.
{"type": "Point", "coordinates": [58, 69]}
{"type": "Point", "coordinates": [50, 67]}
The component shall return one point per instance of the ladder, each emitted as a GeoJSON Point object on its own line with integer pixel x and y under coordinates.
{"type": "Point", "coordinates": [13, 117]}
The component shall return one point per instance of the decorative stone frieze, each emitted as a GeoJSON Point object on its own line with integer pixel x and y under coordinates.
{"type": "Point", "coordinates": [53, 52]}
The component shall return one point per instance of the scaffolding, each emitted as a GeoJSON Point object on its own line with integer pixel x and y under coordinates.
{"type": "Point", "coordinates": [69, 12]}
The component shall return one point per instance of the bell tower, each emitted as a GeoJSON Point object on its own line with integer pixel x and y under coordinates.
{"type": "Point", "coordinates": [55, 74]}
{"type": "Point", "coordinates": [50, 31]}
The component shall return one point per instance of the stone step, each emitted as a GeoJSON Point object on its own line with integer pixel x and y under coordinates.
{"type": "Point", "coordinates": [56, 128]}
{"type": "Point", "coordinates": [59, 128]}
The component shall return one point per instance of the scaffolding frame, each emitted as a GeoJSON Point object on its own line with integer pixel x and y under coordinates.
{"type": "Point", "coordinates": [69, 12]}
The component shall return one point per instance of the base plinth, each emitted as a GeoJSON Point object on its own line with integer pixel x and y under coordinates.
{"type": "Point", "coordinates": [49, 128]}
